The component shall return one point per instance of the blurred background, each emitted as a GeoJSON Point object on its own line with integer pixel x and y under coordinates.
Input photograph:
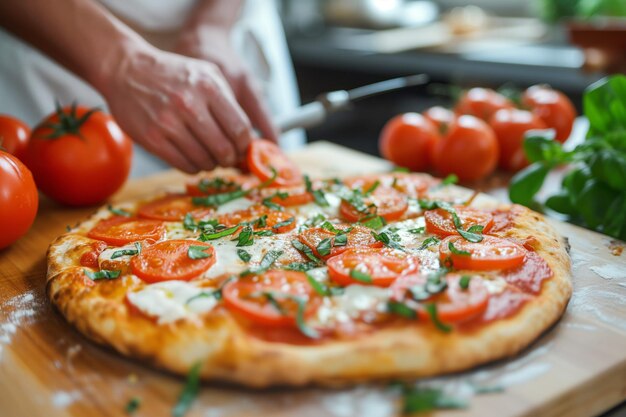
{"type": "Point", "coordinates": [340, 44]}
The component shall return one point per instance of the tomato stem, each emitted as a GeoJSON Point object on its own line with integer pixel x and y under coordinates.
{"type": "Point", "coordinates": [69, 123]}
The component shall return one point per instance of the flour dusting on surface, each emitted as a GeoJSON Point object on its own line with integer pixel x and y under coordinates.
{"type": "Point", "coordinates": [17, 312]}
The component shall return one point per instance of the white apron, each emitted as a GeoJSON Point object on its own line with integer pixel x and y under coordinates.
{"type": "Point", "coordinates": [30, 82]}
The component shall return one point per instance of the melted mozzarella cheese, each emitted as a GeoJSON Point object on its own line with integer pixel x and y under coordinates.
{"type": "Point", "coordinates": [107, 254]}
{"type": "Point", "coordinates": [310, 210]}
{"type": "Point", "coordinates": [176, 230]}
{"type": "Point", "coordinates": [170, 301]}
{"type": "Point", "coordinates": [356, 300]}
{"type": "Point", "coordinates": [235, 205]}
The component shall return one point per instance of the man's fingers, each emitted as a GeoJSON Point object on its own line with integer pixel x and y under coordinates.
{"type": "Point", "coordinates": [253, 104]}
{"type": "Point", "coordinates": [211, 136]}
{"type": "Point", "coordinates": [176, 131]}
{"type": "Point", "coordinates": [162, 147]}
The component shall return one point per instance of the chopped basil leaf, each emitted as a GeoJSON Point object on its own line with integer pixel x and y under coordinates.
{"type": "Point", "coordinates": [301, 266]}
{"type": "Point", "coordinates": [340, 240]}
{"type": "Point", "coordinates": [477, 228]}
{"type": "Point", "coordinates": [323, 248]}
{"type": "Point", "coordinates": [464, 282]}
{"type": "Point", "coordinates": [318, 195]}
{"type": "Point", "coordinates": [319, 287]}
{"type": "Point", "coordinates": [401, 309]}
{"type": "Point", "coordinates": [456, 251]}
{"type": "Point", "coordinates": [418, 400]}
{"type": "Point", "coordinates": [216, 235]}
{"type": "Point", "coordinates": [417, 230]}
{"type": "Point", "coordinates": [245, 237]}
{"type": "Point", "coordinates": [360, 276]}
{"type": "Point", "coordinates": [198, 252]}
{"type": "Point", "coordinates": [270, 180]}
{"type": "Point", "coordinates": [243, 255]}
{"type": "Point", "coordinates": [264, 233]}
{"type": "Point", "coordinates": [388, 239]}
{"type": "Point", "coordinates": [355, 199]}
{"type": "Point", "coordinates": [267, 202]}
{"type": "Point", "coordinates": [119, 211]}
{"type": "Point", "coordinates": [449, 180]}
{"type": "Point", "coordinates": [218, 199]}
{"type": "Point", "coordinates": [268, 260]}
{"type": "Point", "coordinates": [372, 188]}
{"type": "Point", "coordinates": [305, 249]}
{"type": "Point", "coordinates": [261, 221]}
{"type": "Point", "coordinates": [102, 274]}
{"type": "Point", "coordinates": [132, 405]}
{"type": "Point", "coordinates": [431, 309]}
{"type": "Point", "coordinates": [400, 169]}
{"type": "Point", "coordinates": [189, 223]}
{"type": "Point", "coordinates": [375, 222]}
{"type": "Point", "coordinates": [124, 252]}
{"type": "Point", "coordinates": [331, 228]}
{"type": "Point", "coordinates": [473, 234]}
{"type": "Point", "coordinates": [189, 392]}
{"type": "Point", "coordinates": [272, 298]}
{"type": "Point", "coordinates": [316, 220]}
{"type": "Point", "coordinates": [283, 223]}
{"type": "Point", "coordinates": [207, 185]}
{"type": "Point", "coordinates": [429, 241]}
{"type": "Point", "coordinates": [269, 296]}
{"type": "Point", "coordinates": [470, 236]}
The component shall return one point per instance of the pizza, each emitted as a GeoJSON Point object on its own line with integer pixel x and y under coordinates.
{"type": "Point", "coordinates": [273, 278]}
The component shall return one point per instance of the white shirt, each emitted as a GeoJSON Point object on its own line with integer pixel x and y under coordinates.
{"type": "Point", "coordinates": [30, 82]}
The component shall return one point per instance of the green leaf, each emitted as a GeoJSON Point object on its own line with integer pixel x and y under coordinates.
{"type": "Point", "coordinates": [318, 195]}
{"type": "Point", "coordinates": [245, 237]}
{"type": "Point", "coordinates": [323, 248]}
{"type": "Point", "coordinates": [102, 274]}
{"type": "Point", "coordinates": [218, 199]}
{"type": "Point", "coordinates": [450, 179]}
{"type": "Point", "coordinates": [388, 239]}
{"type": "Point", "coordinates": [206, 185]}
{"type": "Point", "coordinates": [594, 202]}
{"type": "Point", "coordinates": [526, 183]}
{"type": "Point", "coordinates": [132, 405]}
{"type": "Point", "coordinates": [417, 230]}
{"type": "Point", "coordinates": [615, 219]}
{"type": "Point", "coordinates": [539, 146]}
{"type": "Point", "coordinates": [283, 223]}
{"type": "Point", "coordinates": [217, 235]}
{"type": "Point", "coordinates": [189, 392]}
{"type": "Point", "coordinates": [401, 309]}
{"type": "Point", "coordinates": [268, 260]}
{"type": "Point", "coordinates": [243, 255]}
{"type": "Point", "coordinates": [419, 400]}
{"type": "Point", "coordinates": [274, 296]}
{"type": "Point", "coordinates": [375, 223]}
{"type": "Point", "coordinates": [119, 211]}
{"type": "Point", "coordinates": [319, 287]}
{"type": "Point", "coordinates": [127, 252]}
{"type": "Point", "coordinates": [306, 250]}
{"type": "Point", "coordinates": [400, 169]}
{"type": "Point", "coordinates": [198, 252]}
{"type": "Point", "coordinates": [360, 276]}
{"type": "Point", "coordinates": [610, 167]}
{"type": "Point", "coordinates": [431, 309]}
{"type": "Point", "coordinates": [429, 241]}
{"type": "Point", "coordinates": [604, 104]}
{"type": "Point", "coordinates": [371, 188]}
{"type": "Point", "coordinates": [561, 203]}
{"type": "Point", "coordinates": [464, 281]}
{"type": "Point", "coordinates": [340, 240]}
{"type": "Point", "coordinates": [301, 266]}
{"type": "Point", "coordinates": [456, 251]}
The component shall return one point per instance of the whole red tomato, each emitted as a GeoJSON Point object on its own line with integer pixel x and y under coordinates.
{"type": "Point", "coordinates": [469, 150]}
{"type": "Point", "coordinates": [79, 156]}
{"type": "Point", "coordinates": [553, 107]}
{"type": "Point", "coordinates": [440, 117]}
{"type": "Point", "coordinates": [408, 141]}
{"type": "Point", "coordinates": [510, 126]}
{"type": "Point", "coordinates": [13, 135]}
{"type": "Point", "coordinates": [482, 103]}
{"type": "Point", "coordinates": [18, 199]}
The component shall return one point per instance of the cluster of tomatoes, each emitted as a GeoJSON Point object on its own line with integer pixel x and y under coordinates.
{"type": "Point", "coordinates": [485, 130]}
{"type": "Point", "coordinates": [75, 156]}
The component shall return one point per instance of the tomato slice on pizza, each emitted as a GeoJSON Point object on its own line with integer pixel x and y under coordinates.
{"type": "Point", "coordinates": [457, 298]}
{"type": "Point", "coordinates": [265, 157]}
{"type": "Point", "coordinates": [284, 196]}
{"type": "Point", "coordinates": [327, 243]}
{"type": "Point", "coordinates": [440, 222]}
{"type": "Point", "coordinates": [375, 266]}
{"type": "Point", "coordinates": [271, 299]}
{"type": "Point", "coordinates": [375, 200]}
{"type": "Point", "coordinates": [172, 208]}
{"type": "Point", "coordinates": [492, 253]}
{"type": "Point", "coordinates": [119, 230]}
{"type": "Point", "coordinates": [173, 260]}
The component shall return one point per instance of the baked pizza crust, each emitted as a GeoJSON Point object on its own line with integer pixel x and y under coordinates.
{"type": "Point", "coordinates": [228, 353]}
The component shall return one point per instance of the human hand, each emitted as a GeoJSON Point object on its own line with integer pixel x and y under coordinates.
{"type": "Point", "coordinates": [212, 43]}
{"type": "Point", "coordinates": [181, 109]}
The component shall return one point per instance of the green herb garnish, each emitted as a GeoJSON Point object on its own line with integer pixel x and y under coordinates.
{"type": "Point", "coordinates": [127, 252]}
{"type": "Point", "coordinates": [301, 266]}
{"type": "Point", "coordinates": [431, 309]}
{"type": "Point", "coordinates": [218, 199]}
{"type": "Point", "coordinates": [418, 400]}
{"type": "Point", "coordinates": [283, 223]}
{"type": "Point", "coordinates": [464, 281]}
{"type": "Point", "coordinates": [375, 222]}
{"type": "Point", "coordinates": [340, 240]}
{"type": "Point", "coordinates": [417, 230]}
{"type": "Point", "coordinates": [308, 252]}
{"type": "Point", "coordinates": [456, 251]}
{"type": "Point", "coordinates": [401, 309]}
{"type": "Point", "coordinates": [388, 239]}
{"type": "Point", "coordinates": [245, 237]}
{"type": "Point", "coordinates": [323, 248]}
{"type": "Point", "coordinates": [360, 276]}
{"type": "Point", "coordinates": [189, 392]}
{"type": "Point", "coordinates": [217, 235]}
{"type": "Point", "coordinates": [318, 195]}
{"type": "Point", "coordinates": [119, 211]}
{"type": "Point", "coordinates": [102, 274]}
{"type": "Point", "coordinates": [198, 252]}
{"type": "Point", "coordinates": [132, 405]}
{"type": "Point", "coordinates": [429, 241]}
{"type": "Point", "coordinates": [243, 255]}
{"type": "Point", "coordinates": [268, 260]}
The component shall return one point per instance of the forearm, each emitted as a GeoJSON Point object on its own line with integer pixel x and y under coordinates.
{"type": "Point", "coordinates": [79, 34]}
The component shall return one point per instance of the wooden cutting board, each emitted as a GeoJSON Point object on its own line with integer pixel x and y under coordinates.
{"type": "Point", "coordinates": [578, 368]}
